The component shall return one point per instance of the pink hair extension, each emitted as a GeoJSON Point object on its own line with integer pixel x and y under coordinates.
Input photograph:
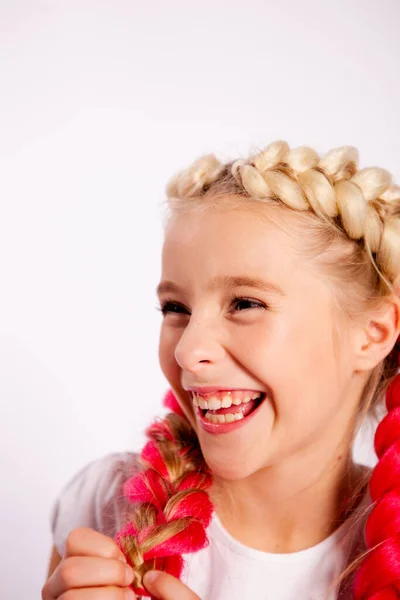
{"type": "Point", "coordinates": [378, 577]}
{"type": "Point", "coordinates": [172, 403]}
{"type": "Point", "coordinates": [154, 485]}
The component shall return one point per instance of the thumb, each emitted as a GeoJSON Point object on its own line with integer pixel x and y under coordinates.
{"type": "Point", "coordinates": [163, 586]}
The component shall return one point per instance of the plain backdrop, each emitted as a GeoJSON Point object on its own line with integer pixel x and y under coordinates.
{"type": "Point", "coordinates": [100, 103]}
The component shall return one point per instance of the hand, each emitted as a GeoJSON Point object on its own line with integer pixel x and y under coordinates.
{"type": "Point", "coordinates": [163, 586]}
{"type": "Point", "coordinates": [93, 568]}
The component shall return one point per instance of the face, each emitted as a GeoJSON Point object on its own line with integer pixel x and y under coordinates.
{"type": "Point", "coordinates": [244, 314]}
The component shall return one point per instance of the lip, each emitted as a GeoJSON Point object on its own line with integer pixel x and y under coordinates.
{"type": "Point", "coordinates": [219, 428]}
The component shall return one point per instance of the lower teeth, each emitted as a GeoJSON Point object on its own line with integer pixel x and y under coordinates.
{"type": "Point", "coordinates": [227, 418]}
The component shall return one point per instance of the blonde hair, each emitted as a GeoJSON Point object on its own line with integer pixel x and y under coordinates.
{"type": "Point", "coordinates": [355, 213]}
{"type": "Point", "coordinates": [363, 204]}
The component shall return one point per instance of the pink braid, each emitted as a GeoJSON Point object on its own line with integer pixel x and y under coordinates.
{"type": "Point", "coordinates": [180, 499]}
{"type": "Point", "coordinates": [378, 578]}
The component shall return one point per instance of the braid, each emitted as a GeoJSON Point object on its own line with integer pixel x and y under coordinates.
{"type": "Point", "coordinates": [170, 509]}
{"type": "Point", "coordinates": [363, 204]}
{"type": "Point", "coordinates": [170, 505]}
{"type": "Point", "coordinates": [378, 578]}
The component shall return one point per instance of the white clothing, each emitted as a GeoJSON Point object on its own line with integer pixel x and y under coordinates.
{"type": "Point", "coordinates": [226, 569]}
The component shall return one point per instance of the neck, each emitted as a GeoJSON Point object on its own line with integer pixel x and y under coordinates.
{"type": "Point", "coordinates": [284, 508]}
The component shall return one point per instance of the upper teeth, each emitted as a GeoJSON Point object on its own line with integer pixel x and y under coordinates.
{"type": "Point", "coordinates": [215, 403]}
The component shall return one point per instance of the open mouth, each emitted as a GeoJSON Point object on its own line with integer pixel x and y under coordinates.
{"type": "Point", "coordinates": [229, 408]}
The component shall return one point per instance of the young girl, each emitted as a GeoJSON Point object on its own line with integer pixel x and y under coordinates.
{"type": "Point", "coordinates": [281, 315]}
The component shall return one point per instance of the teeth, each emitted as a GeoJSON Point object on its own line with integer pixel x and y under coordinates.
{"type": "Point", "coordinates": [203, 403]}
{"type": "Point", "coordinates": [228, 418]}
{"type": "Point", "coordinates": [215, 403]}
{"type": "Point", "coordinates": [226, 402]}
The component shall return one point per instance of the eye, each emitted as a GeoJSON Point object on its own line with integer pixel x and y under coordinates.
{"type": "Point", "coordinates": [168, 306]}
{"type": "Point", "coordinates": [241, 304]}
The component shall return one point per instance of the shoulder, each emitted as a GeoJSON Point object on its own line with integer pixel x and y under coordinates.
{"type": "Point", "coordinates": [93, 497]}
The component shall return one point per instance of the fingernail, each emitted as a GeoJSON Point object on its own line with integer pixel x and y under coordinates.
{"type": "Point", "coordinates": [122, 558]}
{"type": "Point", "coordinates": [150, 577]}
{"type": "Point", "coordinates": [130, 594]}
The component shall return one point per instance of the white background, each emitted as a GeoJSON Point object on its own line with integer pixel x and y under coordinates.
{"type": "Point", "coordinates": [100, 103]}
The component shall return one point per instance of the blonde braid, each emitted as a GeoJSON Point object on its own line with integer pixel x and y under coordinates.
{"type": "Point", "coordinates": [363, 204]}
{"type": "Point", "coordinates": [169, 508]}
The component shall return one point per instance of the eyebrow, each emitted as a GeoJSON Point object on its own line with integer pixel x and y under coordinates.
{"type": "Point", "coordinates": [227, 281]}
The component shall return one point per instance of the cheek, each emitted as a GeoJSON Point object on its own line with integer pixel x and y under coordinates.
{"type": "Point", "coordinates": [298, 367]}
{"type": "Point", "coordinates": [171, 370]}
{"type": "Point", "coordinates": [166, 353]}
{"type": "Point", "coordinates": [307, 388]}
{"type": "Point", "coordinates": [262, 349]}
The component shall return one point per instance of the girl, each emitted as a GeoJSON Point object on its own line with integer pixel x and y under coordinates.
{"type": "Point", "coordinates": [281, 312]}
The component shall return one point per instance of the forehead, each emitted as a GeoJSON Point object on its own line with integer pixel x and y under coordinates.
{"type": "Point", "coordinates": [248, 241]}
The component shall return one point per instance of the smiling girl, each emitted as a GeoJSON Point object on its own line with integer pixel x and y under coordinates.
{"type": "Point", "coordinates": [281, 312]}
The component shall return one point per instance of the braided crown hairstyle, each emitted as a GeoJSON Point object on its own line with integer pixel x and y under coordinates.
{"type": "Point", "coordinates": [355, 210]}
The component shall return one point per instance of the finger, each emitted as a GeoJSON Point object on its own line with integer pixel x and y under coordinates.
{"type": "Point", "coordinates": [80, 572]}
{"type": "Point", "coordinates": [101, 593]}
{"type": "Point", "coordinates": [166, 587]}
{"type": "Point", "coordinates": [88, 542]}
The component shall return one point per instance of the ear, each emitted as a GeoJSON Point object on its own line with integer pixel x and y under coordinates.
{"type": "Point", "coordinates": [378, 334]}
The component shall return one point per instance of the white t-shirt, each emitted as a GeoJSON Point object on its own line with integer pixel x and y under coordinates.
{"type": "Point", "coordinates": [226, 569]}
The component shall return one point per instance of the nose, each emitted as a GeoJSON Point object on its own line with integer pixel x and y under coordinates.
{"type": "Point", "coordinates": [199, 347]}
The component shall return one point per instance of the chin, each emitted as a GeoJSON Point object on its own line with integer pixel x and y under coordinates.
{"type": "Point", "coordinates": [224, 467]}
